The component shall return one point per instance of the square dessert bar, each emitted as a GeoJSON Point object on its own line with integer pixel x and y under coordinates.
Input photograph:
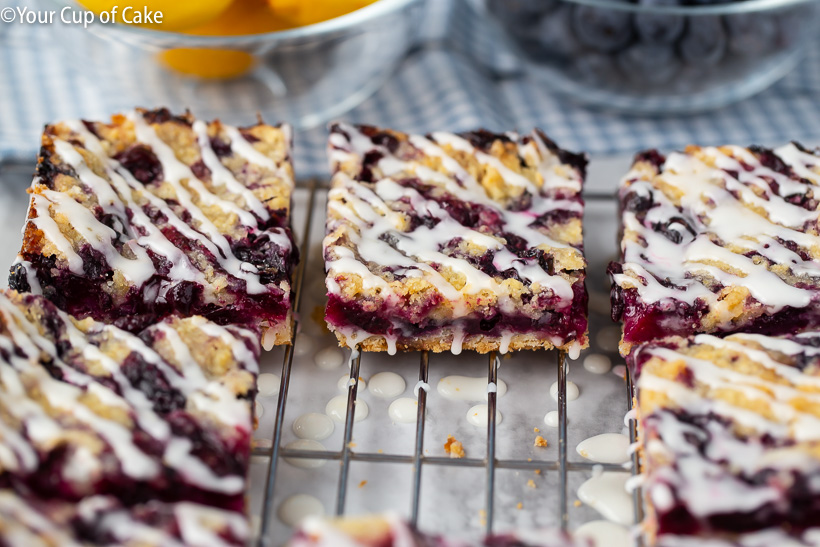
{"type": "Point", "coordinates": [730, 439]}
{"type": "Point", "coordinates": [719, 240]}
{"type": "Point", "coordinates": [445, 241]}
{"type": "Point", "coordinates": [154, 215]}
{"type": "Point", "coordinates": [91, 411]}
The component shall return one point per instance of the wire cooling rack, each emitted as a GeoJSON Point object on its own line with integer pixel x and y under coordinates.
{"type": "Point", "coordinates": [275, 453]}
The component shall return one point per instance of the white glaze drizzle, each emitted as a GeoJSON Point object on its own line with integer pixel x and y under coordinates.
{"type": "Point", "coordinates": [606, 493]}
{"type": "Point", "coordinates": [336, 408]}
{"type": "Point", "coordinates": [321, 532]}
{"type": "Point", "coordinates": [605, 448]}
{"type": "Point", "coordinates": [728, 204]}
{"type": "Point", "coordinates": [478, 415]}
{"type": "Point", "coordinates": [175, 172]}
{"type": "Point", "coordinates": [313, 426]}
{"type": "Point", "coordinates": [116, 191]}
{"type": "Point", "coordinates": [414, 253]}
{"type": "Point", "coordinates": [297, 508]}
{"type": "Point", "coordinates": [467, 388]}
{"type": "Point", "coordinates": [710, 481]}
{"type": "Point", "coordinates": [551, 418]}
{"type": "Point", "coordinates": [64, 397]}
{"type": "Point", "coordinates": [25, 526]}
{"type": "Point", "coordinates": [403, 410]}
{"type": "Point", "coordinates": [306, 444]}
{"type": "Point", "coordinates": [386, 385]}
{"type": "Point", "coordinates": [604, 533]}
{"type": "Point", "coordinates": [181, 523]}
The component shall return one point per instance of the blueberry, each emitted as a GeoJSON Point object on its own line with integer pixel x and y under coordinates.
{"type": "Point", "coordinates": [184, 296]}
{"type": "Point", "coordinates": [220, 147]}
{"type": "Point", "coordinates": [791, 25]}
{"type": "Point", "coordinates": [602, 29]}
{"type": "Point", "coordinates": [483, 139]}
{"type": "Point", "coordinates": [676, 230]}
{"type": "Point", "coordinates": [200, 170]}
{"type": "Point", "coordinates": [657, 28]}
{"type": "Point", "coordinates": [18, 278]}
{"type": "Point", "coordinates": [596, 68]}
{"type": "Point", "coordinates": [751, 35]}
{"type": "Point", "coordinates": [141, 161]}
{"type": "Point", "coordinates": [387, 140]}
{"type": "Point", "coordinates": [652, 157]}
{"type": "Point", "coordinates": [551, 36]}
{"type": "Point", "coordinates": [704, 43]}
{"type": "Point", "coordinates": [519, 12]}
{"type": "Point", "coordinates": [147, 378]}
{"type": "Point", "coordinates": [648, 64]}
{"type": "Point", "coordinates": [637, 202]}
{"type": "Point", "coordinates": [489, 324]}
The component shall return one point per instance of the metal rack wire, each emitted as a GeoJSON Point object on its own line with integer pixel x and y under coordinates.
{"type": "Point", "coordinates": [418, 460]}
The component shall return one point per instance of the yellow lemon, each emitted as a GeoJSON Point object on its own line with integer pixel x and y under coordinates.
{"type": "Point", "coordinates": [243, 17]}
{"type": "Point", "coordinates": [176, 14]}
{"type": "Point", "coordinates": [208, 63]}
{"type": "Point", "coordinates": [300, 13]}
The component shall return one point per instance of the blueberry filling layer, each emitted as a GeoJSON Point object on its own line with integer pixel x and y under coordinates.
{"type": "Point", "coordinates": [161, 295]}
{"type": "Point", "coordinates": [568, 324]}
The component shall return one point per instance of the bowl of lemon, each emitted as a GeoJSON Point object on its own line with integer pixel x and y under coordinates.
{"type": "Point", "coordinates": [301, 61]}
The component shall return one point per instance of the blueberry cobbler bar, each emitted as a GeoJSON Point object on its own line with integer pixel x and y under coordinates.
{"type": "Point", "coordinates": [730, 435]}
{"type": "Point", "coordinates": [153, 427]}
{"type": "Point", "coordinates": [390, 531]}
{"type": "Point", "coordinates": [719, 240]}
{"type": "Point", "coordinates": [155, 214]}
{"type": "Point", "coordinates": [446, 241]}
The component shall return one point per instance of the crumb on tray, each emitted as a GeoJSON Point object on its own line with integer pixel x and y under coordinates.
{"type": "Point", "coordinates": [454, 448]}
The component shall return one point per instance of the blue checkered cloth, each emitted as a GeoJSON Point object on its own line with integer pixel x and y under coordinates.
{"type": "Point", "coordinates": [460, 77]}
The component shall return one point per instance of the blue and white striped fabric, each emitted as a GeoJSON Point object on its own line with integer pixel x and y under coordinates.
{"type": "Point", "coordinates": [442, 85]}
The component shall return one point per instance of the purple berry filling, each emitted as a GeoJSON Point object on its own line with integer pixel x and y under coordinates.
{"type": "Point", "coordinates": [83, 296]}
{"type": "Point", "coordinates": [646, 322]}
{"type": "Point", "coordinates": [396, 321]}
